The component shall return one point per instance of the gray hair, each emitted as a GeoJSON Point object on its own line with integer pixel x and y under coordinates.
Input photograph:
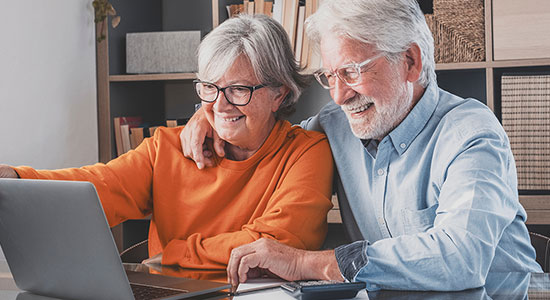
{"type": "Point", "coordinates": [390, 26]}
{"type": "Point", "coordinates": [265, 43]}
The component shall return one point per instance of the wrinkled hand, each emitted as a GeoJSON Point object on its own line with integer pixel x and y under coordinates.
{"type": "Point", "coordinates": [265, 256]}
{"type": "Point", "coordinates": [193, 138]}
{"type": "Point", "coordinates": [7, 172]}
{"type": "Point", "coordinates": [270, 257]}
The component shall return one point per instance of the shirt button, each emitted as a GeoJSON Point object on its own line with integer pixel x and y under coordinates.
{"type": "Point", "coordinates": [402, 145]}
{"type": "Point", "coordinates": [380, 172]}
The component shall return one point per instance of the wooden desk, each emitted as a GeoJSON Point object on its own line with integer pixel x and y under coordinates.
{"type": "Point", "coordinates": [498, 286]}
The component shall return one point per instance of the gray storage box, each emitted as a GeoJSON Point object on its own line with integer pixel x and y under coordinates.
{"type": "Point", "coordinates": [162, 52]}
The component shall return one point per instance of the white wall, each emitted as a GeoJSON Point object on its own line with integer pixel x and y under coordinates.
{"type": "Point", "coordinates": [48, 114]}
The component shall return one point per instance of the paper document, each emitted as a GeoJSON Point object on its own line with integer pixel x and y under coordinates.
{"type": "Point", "coordinates": [274, 293]}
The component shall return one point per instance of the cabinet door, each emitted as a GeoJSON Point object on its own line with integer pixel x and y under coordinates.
{"type": "Point", "coordinates": [520, 29]}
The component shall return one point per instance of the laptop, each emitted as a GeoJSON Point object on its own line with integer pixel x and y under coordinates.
{"type": "Point", "coordinates": [57, 243]}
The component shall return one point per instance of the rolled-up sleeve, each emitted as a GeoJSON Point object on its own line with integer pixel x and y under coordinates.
{"type": "Point", "coordinates": [351, 258]}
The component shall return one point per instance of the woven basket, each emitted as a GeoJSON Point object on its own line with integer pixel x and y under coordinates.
{"type": "Point", "coordinates": [526, 119]}
{"type": "Point", "coordinates": [458, 28]}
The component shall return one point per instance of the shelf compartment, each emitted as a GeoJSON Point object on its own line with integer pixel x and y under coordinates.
{"type": "Point", "coordinates": [152, 77]}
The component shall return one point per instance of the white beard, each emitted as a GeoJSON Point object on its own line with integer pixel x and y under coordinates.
{"type": "Point", "coordinates": [386, 117]}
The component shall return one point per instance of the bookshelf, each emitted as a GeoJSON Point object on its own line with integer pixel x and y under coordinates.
{"type": "Point", "coordinates": [116, 87]}
{"type": "Point", "coordinates": [155, 97]}
{"type": "Point", "coordinates": [161, 96]}
{"type": "Point", "coordinates": [537, 203]}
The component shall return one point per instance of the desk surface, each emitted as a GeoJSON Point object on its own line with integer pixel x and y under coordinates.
{"type": "Point", "coordinates": [498, 286]}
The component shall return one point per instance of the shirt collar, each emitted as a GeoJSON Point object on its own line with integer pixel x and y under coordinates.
{"type": "Point", "coordinates": [371, 146]}
{"type": "Point", "coordinates": [404, 134]}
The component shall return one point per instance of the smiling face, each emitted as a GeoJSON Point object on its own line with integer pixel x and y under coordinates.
{"type": "Point", "coordinates": [381, 100]}
{"type": "Point", "coordinates": [246, 127]}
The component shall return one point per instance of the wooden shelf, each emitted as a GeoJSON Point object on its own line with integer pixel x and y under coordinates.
{"type": "Point", "coordinates": [152, 77]}
{"type": "Point", "coordinates": [438, 67]}
{"type": "Point", "coordinates": [537, 207]}
{"type": "Point", "coordinates": [520, 63]}
{"type": "Point", "coordinates": [461, 66]}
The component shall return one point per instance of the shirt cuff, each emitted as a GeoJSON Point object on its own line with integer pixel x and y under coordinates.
{"type": "Point", "coordinates": [351, 258]}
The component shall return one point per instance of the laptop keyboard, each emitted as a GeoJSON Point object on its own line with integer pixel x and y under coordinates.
{"type": "Point", "coordinates": [145, 292]}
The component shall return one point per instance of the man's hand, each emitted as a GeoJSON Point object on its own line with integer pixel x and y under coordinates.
{"type": "Point", "coordinates": [193, 138]}
{"type": "Point", "coordinates": [7, 172]}
{"type": "Point", "coordinates": [266, 256]}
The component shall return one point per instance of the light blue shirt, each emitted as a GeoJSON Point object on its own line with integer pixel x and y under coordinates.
{"type": "Point", "coordinates": [437, 205]}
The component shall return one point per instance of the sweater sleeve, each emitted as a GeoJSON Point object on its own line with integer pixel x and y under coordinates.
{"type": "Point", "coordinates": [296, 215]}
{"type": "Point", "coordinates": [123, 184]}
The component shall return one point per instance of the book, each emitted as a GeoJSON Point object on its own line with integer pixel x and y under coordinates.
{"type": "Point", "coordinates": [250, 8]}
{"type": "Point", "coordinates": [300, 33]}
{"type": "Point", "coordinates": [125, 136]}
{"type": "Point", "coordinates": [311, 6]}
{"type": "Point", "coordinates": [278, 11]}
{"type": "Point", "coordinates": [234, 9]}
{"type": "Point", "coordinates": [152, 130]}
{"type": "Point", "coordinates": [137, 135]}
{"type": "Point", "coordinates": [176, 122]}
{"type": "Point", "coordinates": [290, 18]}
{"type": "Point", "coordinates": [259, 6]}
{"type": "Point", "coordinates": [268, 9]}
{"type": "Point", "coordinates": [117, 124]}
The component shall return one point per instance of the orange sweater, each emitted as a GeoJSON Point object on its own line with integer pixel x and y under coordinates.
{"type": "Point", "coordinates": [199, 216]}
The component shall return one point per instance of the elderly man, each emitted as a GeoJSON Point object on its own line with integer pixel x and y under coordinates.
{"type": "Point", "coordinates": [428, 178]}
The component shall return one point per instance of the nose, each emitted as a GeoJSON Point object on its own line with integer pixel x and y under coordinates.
{"type": "Point", "coordinates": [221, 103]}
{"type": "Point", "coordinates": [341, 92]}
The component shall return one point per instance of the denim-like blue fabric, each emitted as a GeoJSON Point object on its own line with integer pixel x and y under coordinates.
{"type": "Point", "coordinates": [438, 202]}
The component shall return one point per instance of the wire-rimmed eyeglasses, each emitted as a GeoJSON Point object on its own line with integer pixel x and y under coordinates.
{"type": "Point", "coordinates": [238, 95]}
{"type": "Point", "coordinates": [350, 74]}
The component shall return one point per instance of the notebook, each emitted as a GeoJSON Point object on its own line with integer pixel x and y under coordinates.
{"type": "Point", "coordinates": [57, 243]}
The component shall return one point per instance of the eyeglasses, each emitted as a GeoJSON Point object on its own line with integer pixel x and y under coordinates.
{"type": "Point", "coordinates": [350, 74]}
{"type": "Point", "coordinates": [238, 95]}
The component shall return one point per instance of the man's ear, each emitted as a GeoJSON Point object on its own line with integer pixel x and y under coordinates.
{"type": "Point", "coordinates": [413, 59]}
{"type": "Point", "coordinates": [280, 95]}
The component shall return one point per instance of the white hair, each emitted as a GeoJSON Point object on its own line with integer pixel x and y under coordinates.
{"type": "Point", "coordinates": [390, 26]}
{"type": "Point", "coordinates": [265, 43]}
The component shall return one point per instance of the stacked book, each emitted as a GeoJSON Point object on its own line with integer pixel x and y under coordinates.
{"type": "Point", "coordinates": [131, 131]}
{"type": "Point", "coordinates": [291, 14]}
{"type": "Point", "coordinates": [526, 119]}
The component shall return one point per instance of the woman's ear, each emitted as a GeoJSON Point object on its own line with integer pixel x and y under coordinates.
{"type": "Point", "coordinates": [280, 95]}
{"type": "Point", "coordinates": [413, 58]}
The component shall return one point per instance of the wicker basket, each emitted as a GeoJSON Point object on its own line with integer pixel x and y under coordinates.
{"type": "Point", "coordinates": [458, 28]}
{"type": "Point", "coordinates": [526, 119]}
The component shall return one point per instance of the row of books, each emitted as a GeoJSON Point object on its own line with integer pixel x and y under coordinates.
{"type": "Point", "coordinates": [131, 131]}
{"type": "Point", "coordinates": [291, 14]}
{"type": "Point", "coordinates": [251, 8]}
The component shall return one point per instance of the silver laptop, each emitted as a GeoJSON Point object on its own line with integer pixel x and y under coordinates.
{"type": "Point", "coordinates": [57, 243]}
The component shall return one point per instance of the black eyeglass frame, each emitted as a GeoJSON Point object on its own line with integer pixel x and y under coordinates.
{"type": "Point", "coordinates": [251, 88]}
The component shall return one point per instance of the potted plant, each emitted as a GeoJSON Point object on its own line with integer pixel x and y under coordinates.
{"type": "Point", "coordinates": [102, 9]}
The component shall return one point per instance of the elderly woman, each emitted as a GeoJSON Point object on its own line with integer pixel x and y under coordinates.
{"type": "Point", "coordinates": [273, 182]}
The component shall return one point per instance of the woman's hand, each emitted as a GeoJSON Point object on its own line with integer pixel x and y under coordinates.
{"type": "Point", "coordinates": [7, 172]}
{"type": "Point", "coordinates": [193, 137]}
